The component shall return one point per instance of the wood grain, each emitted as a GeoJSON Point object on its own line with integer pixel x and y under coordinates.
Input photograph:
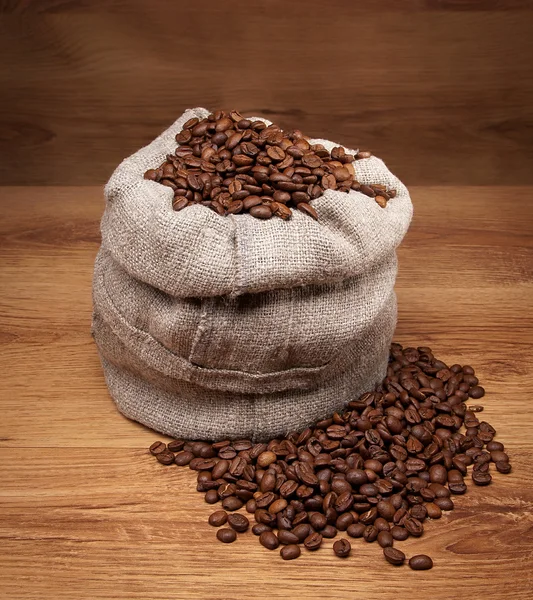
{"type": "Point", "coordinates": [441, 89]}
{"type": "Point", "coordinates": [87, 513]}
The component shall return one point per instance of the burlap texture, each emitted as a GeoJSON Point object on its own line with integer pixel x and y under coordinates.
{"type": "Point", "coordinates": [212, 326]}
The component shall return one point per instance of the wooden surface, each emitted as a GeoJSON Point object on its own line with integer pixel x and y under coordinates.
{"type": "Point", "coordinates": [440, 89]}
{"type": "Point", "coordinates": [87, 513]}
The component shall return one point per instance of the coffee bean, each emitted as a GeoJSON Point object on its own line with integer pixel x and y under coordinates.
{"type": "Point", "coordinates": [269, 540]}
{"type": "Point", "coordinates": [226, 535]}
{"type": "Point", "coordinates": [413, 526]}
{"type": "Point", "coordinates": [356, 530]}
{"type": "Point", "coordinates": [394, 556]}
{"type": "Point", "coordinates": [399, 533]}
{"type": "Point", "coordinates": [232, 503]}
{"type": "Point", "coordinates": [261, 212]}
{"type": "Point", "coordinates": [329, 531]}
{"type": "Point", "coordinates": [290, 552]}
{"type": "Point", "coordinates": [211, 497]}
{"type": "Point", "coordinates": [434, 511]}
{"type": "Point", "coordinates": [183, 458]}
{"type": "Point", "coordinates": [313, 541]}
{"type": "Point", "coordinates": [385, 539]}
{"type": "Point", "coordinates": [370, 534]}
{"type": "Point", "coordinates": [478, 478]}
{"type": "Point", "coordinates": [287, 537]}
{"type": "Point", "coordinates": [476, 392]}
{"type": "Point", "coordinates": [308, 209]}
{"type": "Point", "coordinates": [420, 562]}
{"type": "Point", "coordinates": [165, 457]}
{"type": "Point", "coordinates": [218, 518]}
{"type": "Point", "coordinates": [238, 522]}
{"type": "Point", "coordinates": [176, 445]}
{"type": "Point", "coordinates": [157, 448]}
{"type": "Point", "coordinates": [342, 548]}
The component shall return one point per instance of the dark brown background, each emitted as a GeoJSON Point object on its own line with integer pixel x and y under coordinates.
{"type": "Point", "coordinates": [441, 89]}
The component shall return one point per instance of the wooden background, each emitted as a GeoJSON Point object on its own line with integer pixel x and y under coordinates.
{"type": "Point", "coordinates": [441, 89]}
{"type": "Point", "coordinates": [86, 513]}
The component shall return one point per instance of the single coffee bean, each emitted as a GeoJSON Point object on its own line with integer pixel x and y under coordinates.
{"type": "Point", "coordinates": [420, 562]}
{"type": "Point", "coordinates": [183, 458]}
{"type": "Point", "coordinates": [356, 530]}
{"type": "Point", "coordinates": [302, 531]}
{"type": "Point", "coordinates": [290, 552]}
{"type": "Point", "coordinates": [394, 556]}
{"type": "Point", "coordinates": [329, 531]}
{"type": "Point", "coordinates": [218, 518]}
{"type": "Point", "coordinates": [385, 539]}
{"type": "Point", "coordinates": [287, 537]}
{"type": "Point", "coordinates": [226, 535]}
{"type": "Point", "coordinates": [176, 445]}
{"type": "Point", "coordinates": [434, 511]}
{"type": "Point", "coordinates": [232, 503]}
{"type": "Point", "coordinates": [370, 534]}
{"type": "Point", "coordinates": [259, 528]}
{"type": "Point", "coordinates": [269, 540]}
{"type": "Point", "coordinates": [399, 533]}
{"type": "Point", "coordinates": [261, 212]}
{"type": "Point", "coordinates": [444, 503]}
{"type": "Point", "coordinates": [211, 497]}
{"type": "Point", "coordinates": [479, 478]}
{"type": "Point", "coordinates": [238, 522]}
{"type": "Point", "coordinates": [342, 548]}
{"type": "Point", "coordinates": [165, 457]}
{"type": "Point", "coordinates": [476, 392]}
{"type": "Point", "coordinates": [157, 448]}
{"type": "Point", "coordinates": [313, 541]}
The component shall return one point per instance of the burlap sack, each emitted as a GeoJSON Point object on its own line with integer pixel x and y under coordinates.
{"type": "Point", "coordinates": [212, 327]}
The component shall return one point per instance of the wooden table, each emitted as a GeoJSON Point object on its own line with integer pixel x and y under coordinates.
{"type": "Point", "coordinates": [85, 512]}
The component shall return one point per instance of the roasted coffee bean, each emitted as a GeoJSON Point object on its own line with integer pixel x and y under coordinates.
{"type": "Point", "coordinates": [211, 497]}
{"type": "Point", "coordinates": [356, 530]}
{"type": "Point", "coordinates": [232, 503]}
{"type": "Point", "coordinates": [394, 556]}
{"type": "Point", "coordinates": [269, 540]}
{"type": "Point", "coordinates": [261, 212]}
{"type": "Point", "coordinates": [290, 552]}
{"type": "Point", "coordinates": [434, 511]}
{"type": "Point", "coordinates": [476, 392]}
{"type": "Point", "coordinates": [157, 448]}
{"type": "Point", "coordinates": [226, 535]}
{"type": "Point", "coordinates": [165, 457]}
{"type": "Point", "coordinates": [218, 518]}
{"type": "Point", "coordinates": [385, 539]}
{"type": "Point", "coordinates": [176, 445]}
{"type": "Point", "coordinates": [342, 548]}
{"type": "Point", "coordinates": [399, 533]}
{"type": "Point", "coordinates": [287, 537]}
{"type": "Point", "coordinates": [370, 534]}
{"type": "Point", "coordinates": [238, 522]}
{"type": "Point", "coordinates": [329, 531]}
{"type": "Point", "coordinates": [259, 528]}
{"type": "Point", "coordinates": [413, 526]}
{"type": "Point", "coordinates": [183, 458]}
{"type": "Point", "coordinates": [420, 562]}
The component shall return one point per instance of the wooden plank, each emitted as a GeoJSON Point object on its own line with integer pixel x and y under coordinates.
{"type": "Point", "coordinates": [441, 91]}
{"type": "Point", "coordinates": [93, 523]}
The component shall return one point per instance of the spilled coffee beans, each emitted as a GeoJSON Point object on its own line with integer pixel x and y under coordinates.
{"type": "Point", "coordinates": [393, 459]}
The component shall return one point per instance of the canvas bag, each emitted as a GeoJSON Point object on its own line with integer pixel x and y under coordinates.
{"type": "Point", "coordinates": [213, 327]}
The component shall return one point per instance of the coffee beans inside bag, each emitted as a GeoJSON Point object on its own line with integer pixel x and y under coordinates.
{"type": "Point", "coordinates": [215, 322]}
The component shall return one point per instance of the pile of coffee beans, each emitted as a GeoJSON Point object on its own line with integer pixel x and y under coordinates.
{"type": "Point", "coordinates": [394, 458]}
{"type": "Point", "coordinates": [233, 165]}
